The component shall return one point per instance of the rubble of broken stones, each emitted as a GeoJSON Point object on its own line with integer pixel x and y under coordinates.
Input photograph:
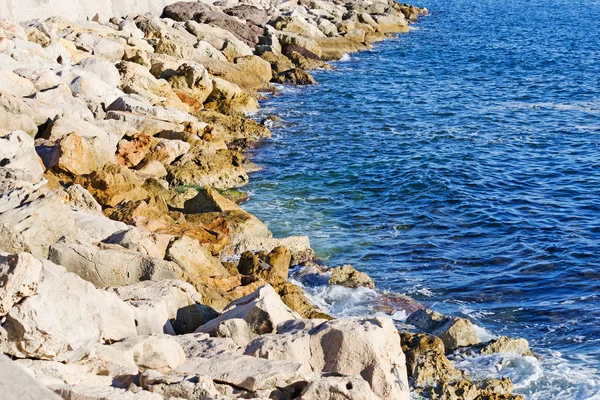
{"type": "Point", "coordinates": [127, 270]}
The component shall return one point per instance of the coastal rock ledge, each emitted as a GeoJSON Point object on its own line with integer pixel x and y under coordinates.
{"type": "Point", "coordinates": [127, 268]}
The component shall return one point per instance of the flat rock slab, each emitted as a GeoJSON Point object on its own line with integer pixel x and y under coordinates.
{"type": "Point", "coordinates": [15, 383]}
{"type": "Point", "coordinates": [247, 372]}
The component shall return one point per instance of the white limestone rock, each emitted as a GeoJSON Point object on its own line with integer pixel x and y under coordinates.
{"type": "Point", "coordinates": [65, 317]}
{"type": "Point", "coordinates": [263, 310]}
{"type": "Point", "coordinates": [17, 152]}
{"type": "Point", "coordinates": [16, 382]}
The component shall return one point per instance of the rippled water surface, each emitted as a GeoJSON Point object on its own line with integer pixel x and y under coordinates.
{"type": "Point", "coordinates": [460, 164]}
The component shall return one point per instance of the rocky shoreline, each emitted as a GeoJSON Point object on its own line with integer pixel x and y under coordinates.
{"type": "Point", "coordinates": [127, 268]}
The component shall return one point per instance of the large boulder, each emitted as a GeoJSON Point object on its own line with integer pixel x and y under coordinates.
{"type": "Point", "coordinates": [426, 362]}
{"type": "Point", "coordinates": [78, 155]}
{"type": "Point", "coordinates": [454, 332]}
{"type": "Point", "coordinates": [194, 259]}
{"type": "Point", "coordinates": [62, 102]}
{"type": "Point", "coordinates": [263, 310]}
{"type": "Point", "coordinates": [220, 169]}
{"type": "Point", "coordinates": [251, 14]}
{"type": "Point", "coordinates": [369, 347]}
{"type": "Point", "coordinates": [17, 122]}
{"type": "Point", "coordinates": [38, 113]}
{"type": "Point", "coordinates": [130, 108]}
{"type": "Point", "coordinates": [104, 69]}
{"type": "Point", "coordinates": [17, 154]}
{"type": "Point", "coordinates": [85, 392]}
{"type": "Point", "coordinates": [113, 184]}
{"type": "Point", "coordinates": [55, 315]}
{"type": "Point", "coordinates": [167, 151]}
{"type": "Point", "coordinates": [13, 84]}
{"type": "Point", "coordinates": [250, 373]}
{"type": "Point", "coordinates": [16, 383]}
{"type": "Point", "coordinates": [505, 344]}
{"type": "Point", "coordinates": [111, 266]}
{"type": "Point", "coordinates": [272, 267]}
{"type": "Point", "coordinates": [180, 386]}
{"type": "Point", "coordinates": [100, 46]}
{"type": "Point", "coordinates": [299, 247]}
{"type": "Point", "coordinates": [141, 241]}
{"type": "Point", "coordinates": [155, 303]}
{"type": "Point", "coordinates": [136, 79]}
{"type": "Point", "coordinates": [339, 387]}
{"type": "Point", "coordinates": [41, 222]}
{"type": "Point", "coordinates": [208, 200]}
{"type": "Point", "coordinates": [191, 83]}
{"type": "Point", "coordinates": [227, 97]}
{"type": "Point", "coordinates": [205, 13]}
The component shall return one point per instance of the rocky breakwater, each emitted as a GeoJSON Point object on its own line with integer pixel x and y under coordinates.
{"type": "Point", "coordinates": [127, 270]}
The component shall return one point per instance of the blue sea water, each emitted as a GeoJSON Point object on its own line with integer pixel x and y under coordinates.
{"type": "Point", "coordinates": [459, 164]}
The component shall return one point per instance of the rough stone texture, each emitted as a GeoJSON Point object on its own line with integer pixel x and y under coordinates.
{"type": "Point", "coordinates": [291, 346]}
{"type": "Point", "coordinates": [18, 122]}
{"type": "Point", "coordinates": [454, 332]}
{"type": "Point", "coordinates": [349, 277]}
{"type": "Point", "coordinates": [17, 153]}
{"type": "Point", "coordinates": [136, 79]}
{"type": "Point", "coordinates": [222, 169]}
{"type": "Point", "coordinates": [179, 385]}
{"type": "Point", "coordinates": [113, 184]}
{"type": "Point", "coordinates": [41, 223]}
{"type": "Point", "coordinates": [79, 199]}
{"type": "Point", "coordinates": [208, 200]}
{"type": "Point", "coordinates": [247, 372]}
{"type": "Point", "coordinates": [19, 279]}
{"type": "Point", "coordinates": [504, 344]}
{"type": "Point", "coordinates": [229, 98]}
{"type": "Point", "coordinates": [64, 317]}
{"type": "Point", "coordinates": [205, 13]}
{"type": "Point", "coordinates": [54, 372]}
{"type": "Point", "coordinates": [112, 266]}
{"type": "Point", "coordinates": [339, 388]}
{"type": "Point", "coordinates": [202, 345]}
{"type": "Point", "coordinates": [272, 267]}
{"type": "Point", "coordinates": [263, 310]}
{"type": "Point", "coordinates": [104, 69]}
{"type": "Point", "coordinates": [194, 259]}
{"type": "Point", "coordinates": [12, 241]}
{"type": "Point", "coordinates": [141, 241]}
{"type": "Point", "coordinates": [156, 352]}
{"type": "Point", "coordinates": [16, 383]}
{"type": "Point", "coordinates": [425, 361]}
{"type": "Point", "coordinates": [79, 155]}
{"type": "Point", "coordinates": [155, 303]}
{"type": "Point", "coordinates": [82, 392]}
{"type": "Point", "coordinates": [295, 76]}
{"type": "Point", "coordinates": [299, 247]}
{"type": "Point", "coordinates": [367, 347]}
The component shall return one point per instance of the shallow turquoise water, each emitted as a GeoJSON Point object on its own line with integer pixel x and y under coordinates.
{"type": "Point", "coordinates": [460, 164]}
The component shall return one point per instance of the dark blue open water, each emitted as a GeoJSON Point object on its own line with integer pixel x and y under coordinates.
{"type": "Point", "coordinates": [460, 164]}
